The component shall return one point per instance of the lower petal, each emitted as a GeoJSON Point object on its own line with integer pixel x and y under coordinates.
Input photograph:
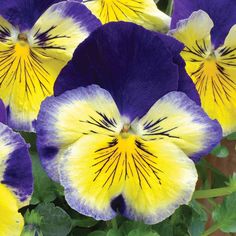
{"type": "Point", "coordinates": [11, 222]}
{"type": "Point", "coordinates": [142, 180]}
{"type": "Point", "coordinates": [167, 179]}
{"type": "Point", "coordinates": [65, 119]}
{"type": "Point", "coordinates": [177, 119]}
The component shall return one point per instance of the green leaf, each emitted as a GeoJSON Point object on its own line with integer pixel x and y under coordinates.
{"type": "Point", "coordinates": [142, 232]}
{"type": "Point", "coordinates": [231, 137]}
{"type": "Point", "coordinates": [84, 222]}
{"type": "Point", "coordinates": [98, 233]}
{"type": "Point", "coordinates": [114, 232]}
{"type": "Point", "coordinates": [45, 190]}
{"type": "Point", "coordinates": [30, 230]}
{"type": "Point", "coordinates": [55, 221]}
{"type": "Point", "coordinates": [129, 225]}
{"type": "Point", "coordinates": [164, 228]}
{"type": "Point", "coordinates": [180, 220]}
{"type": "Point", "coordinates": [197, 208]}
{"type": "Point", "coordinates": [232, 181]}
{"type": "Point", "coordinates": [165, 5]}
{"type": "Point", "coordinates": [134, 228]}
{"type": "Point", "coordinates": [199, 219]}
{"type": "Point", "coordinates": [31, 139]}
{"type": "Point", "coordinates": [218, 179]}
{"type": "Point", "coordinates": [225, 214]}
{"type": "Point", "coordinates": [32, 218]}
{"type": "Point", "coordinates": [220, 151]}
{"type": "Point", "coordinates": [202, 172]}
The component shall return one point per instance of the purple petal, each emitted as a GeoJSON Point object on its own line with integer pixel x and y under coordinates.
{"type": "Point", "coordinates": [223, 14]}
{"type": "Point", "coordinates": [15, 164]}
{"type": "Point", "coordinates": [3, 115]}
{"type": "Point", "coordinates": [186, 84]}
{"type": "Point", "coordinates": [24, 13]}
{"type": "Point", "coordinates": [132, 63]}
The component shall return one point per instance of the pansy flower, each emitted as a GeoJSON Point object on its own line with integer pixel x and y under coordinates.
{"type": "Point", "coordinates": [34, 47]}
{"type": "Point", "coordinates": [16, 181]}
{"type": "Point", "coordinates": [142, 12]}
{"type": "Point", "coordinates": [208, 30]}
{"type": "Point", "coordinates": [121, 142]}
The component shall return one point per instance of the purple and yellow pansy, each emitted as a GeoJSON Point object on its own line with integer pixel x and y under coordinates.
{"type": "Point", "coordinates": [124, 128]}
{"type": "Point", "coordinates": [37, 39]}
{"type": "Point", "coordinates": [16, 181]}
{"type": "Point", "coordinates": [208, 31]}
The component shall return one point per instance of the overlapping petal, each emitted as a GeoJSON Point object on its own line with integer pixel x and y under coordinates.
{"type": "Point", "coordinates": [179, 120]}
{"type": "Point", "coordinates": [30, 61]}
{"type": "Point", "coordinates": [211, 69]}
{"type": "Point", "coordinates": [63, 121]}
{"type": "Point", "coordinates": [24, 13]}
{"type": "Point", "coordinates": [135, 65]}
{"type": "Point", "coordinates": [221, 12]}
{"type": "Point", "coordinates": [143, 12]}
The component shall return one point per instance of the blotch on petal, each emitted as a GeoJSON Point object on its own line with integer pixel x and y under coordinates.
{"type": "Point", "coordinates": [118, 204]}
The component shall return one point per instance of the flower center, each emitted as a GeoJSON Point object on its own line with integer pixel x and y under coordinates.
{"type": "Point", "coordinates": [22, 48]}
{"type": "Point", "coordinates": [210, 66]}
{"type": "Point", "coordinates": [126, 129]}
{"type": "Point", "coordinates": [22, 37]}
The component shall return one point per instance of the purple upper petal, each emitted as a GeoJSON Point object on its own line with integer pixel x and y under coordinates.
{"type": "Point", "coordinates": [3, 114]}
{"type": "Point", "coordinates": [133, 64]}
{"type": "Point", "coordinates": [223, 14]}
{"type": "Point", "coordinates": [24, 13]}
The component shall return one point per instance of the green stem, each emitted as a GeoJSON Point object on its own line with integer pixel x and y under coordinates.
{"type": "Point", "coordinates": [169, 8]}
{"type": "Point", "coordinates": [211, 193]}
{"type": "Point", "coordinates": [211, 230]}
{"type": "Point", "coordinates": [114, 223]}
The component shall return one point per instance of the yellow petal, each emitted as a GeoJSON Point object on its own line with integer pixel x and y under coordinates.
{"type": "Point", "coordinates": [31, 61]}
{"type": "Point", "coordinates": [11, 222]}
{"type": "Point", "coordinates": [212, 70]}
{"type": "Point", "coordinates": [152, 177]}
{"type": "Point", "coordinates": [144, 12]}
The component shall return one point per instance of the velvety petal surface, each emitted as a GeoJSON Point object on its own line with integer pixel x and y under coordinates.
{"type": "Point", "coordinates": [133, 64]}
{"type": "Point", "coordinates": [221, 12]}
{"type": "Point", "coordinates": [30, 62]}
{"type": "Point", "coordinates": [24, 13]}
